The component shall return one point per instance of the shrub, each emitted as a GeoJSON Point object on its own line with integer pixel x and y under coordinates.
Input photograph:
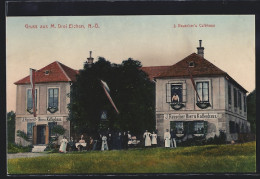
{"type": "Point", "coordinates": [14, 148]}
{"type": "Point", "coordinates": [58, 129]}
{"type": "Point", "coordinates": [23, 135]}
{"type": "Point", "coordinates": [195, 140]}
{"type": "Point", "coordinates": [221, 139]}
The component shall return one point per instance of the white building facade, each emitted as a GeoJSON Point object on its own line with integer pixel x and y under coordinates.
{"type": "Point", "coordinates": [52, 88]}
{"type": "Point", "coordinates": [218, 103]}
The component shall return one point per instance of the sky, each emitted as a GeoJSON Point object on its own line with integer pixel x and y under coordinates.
{"type": "Point", "coordinates": [154, 40]}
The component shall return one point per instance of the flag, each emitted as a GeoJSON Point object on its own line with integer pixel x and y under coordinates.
{"type": "Point", "coordinates": [32, 80]}
{"type": "Point", "coordinates": [107, 91]}
{"type": "Point", "coordinates": [193, 83]}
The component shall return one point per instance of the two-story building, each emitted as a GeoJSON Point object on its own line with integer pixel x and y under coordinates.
{"type": "Point", "coordinates": [52, 86]}
{"type": "Point", "coordinates": [195, 98]}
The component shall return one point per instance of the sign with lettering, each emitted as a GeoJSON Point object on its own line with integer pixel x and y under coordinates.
{"type": "Point", "coordinates": [48, 119]}
{"type": "Point", "coordinates": [189, 116]}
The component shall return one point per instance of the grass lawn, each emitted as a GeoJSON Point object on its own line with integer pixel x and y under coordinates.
{"type": "Point", "coordinates": [197, 159]}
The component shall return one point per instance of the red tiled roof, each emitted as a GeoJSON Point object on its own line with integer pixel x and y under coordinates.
{"type": "Point", "coordinates": [154, 71]}
{"type": "Point", "coordinates": [58, 72]}
{"type": "Point", "coordinates": [202, 67]}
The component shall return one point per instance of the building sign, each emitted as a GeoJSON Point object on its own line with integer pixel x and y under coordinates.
{"type": "Point", "coordinates": [188, 116]}
{"type": "Point", "coordinates": [39, 119]}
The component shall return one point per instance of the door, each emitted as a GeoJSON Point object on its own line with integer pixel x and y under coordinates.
{"type": "Point", "coordinates": [41, 134]}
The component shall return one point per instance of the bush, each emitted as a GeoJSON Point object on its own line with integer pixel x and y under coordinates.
{"type": "Point", "coordinates": [58, 129]}
{"type": "Point", "coordinates": [14, 148]}
{"type": "Point", "coordinates": [201, 140]}
{"type": "Point", "coordinates": [194, 141]}
{"type": "Point", "coordinates": [22, 135]}
{"type": "Point", "coordinates": [221, 139]}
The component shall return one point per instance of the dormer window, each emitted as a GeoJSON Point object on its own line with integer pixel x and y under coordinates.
{"type": "Point", "coordinates": [191, 64]}
{"type": "Point", "coordinates": [47, 72]}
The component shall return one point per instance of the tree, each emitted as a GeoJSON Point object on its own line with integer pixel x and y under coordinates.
{"type": "Point", "coordinates": [251, 110]}
{"type": "Point", "coordinates": [11, 126]}
{"type": "Point", "coordinates": [130, 89]}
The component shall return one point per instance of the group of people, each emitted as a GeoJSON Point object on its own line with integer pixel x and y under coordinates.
{"type": "Point", "coordinates": [104, 141]}
{"type": "Point", "coordinates": [150, 139]}
{"type": "Point", "coordinates": [115, 141]}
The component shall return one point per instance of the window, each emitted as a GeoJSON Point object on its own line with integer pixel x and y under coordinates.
{"type": "Point", "coordinates": [47, 72]}
{"type": "Point", "coordinates": [179, 127]}
{"type": "Point", "coordinates": [239, 100]}
{"type": "Point", "coordinates": [53, 99]}
{"type": "Point", "coordinates": [232, 127]}
{"type": "Point", "coordinates": [199, 127]}
{"type": "Point", "coordinates": [51, 125]}
{"type": "Point", "coordinates": [175, 92]}
{"type": "Point", "coordinates": [235, 97]}
{"type": "Point", "coordinates": [30, 129]}
{"type": "Point", "coordinates": [203, 91]}
{"type": "Point", "coordinates": [191, 64]}
{"type": "Point", "coordinates": [245, 103]}
{"type": "Point", "coordinates": [30, 100]}
{"type": "Point", "coordinates": [229, 94]}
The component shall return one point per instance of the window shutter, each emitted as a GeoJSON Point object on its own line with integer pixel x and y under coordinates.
{"type": "Point", "coordinates": [47, 135]}
{"type": "Point", "coordinates": [168, 93]}
{"type": "Point", "coordinates": [34, 135]}
{"type": "Point", "coordinates": [184, 92]}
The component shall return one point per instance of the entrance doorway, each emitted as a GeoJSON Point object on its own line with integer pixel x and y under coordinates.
{"type": "Point", "coordinates": [40, 134]}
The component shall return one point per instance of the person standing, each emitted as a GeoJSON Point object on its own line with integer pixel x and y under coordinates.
{"type": "Point", "coordinates": [104, 143]}
{"type": "Point", "coordinates": [72, 146]}
{"type": "Point", "coordinates": [147, 139]}
{"type": "Point", "coordinates": [90, 143]}
{"type": "Point", "coordinates": [173, 137]}
{"type": "Point", "coordinates": [167, 138]}
{"type": "Point", "coordinates": [109, 140]}
{"type": "Point", "coordinates": [154, 139]}
{"type": "Point", "coordinates": [125, 140]}
{"type": "Point", "coordinates": [119, 141]}
{"type": "Point", "coordinates": [63, 145]}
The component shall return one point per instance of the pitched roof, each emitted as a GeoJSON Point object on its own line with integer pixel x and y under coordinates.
{"type": "Point", "coordinates": [202, 67]}
{"type": "Point", "coordinates": [58, 72]}
{"type": "Point", "coordinates": [154, 71]}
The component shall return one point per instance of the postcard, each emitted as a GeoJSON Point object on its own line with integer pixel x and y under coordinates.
{"type": "Point", "coordinates": [130, 94]}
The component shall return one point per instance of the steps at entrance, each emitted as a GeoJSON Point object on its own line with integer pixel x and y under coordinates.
{"type": "Point", "coordinates": [38, 148]}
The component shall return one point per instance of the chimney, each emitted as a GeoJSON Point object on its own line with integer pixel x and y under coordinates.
{"type": "Point", "coordinates": [90, 59]}
{"type": "Point", "coordinates": [200, 49]}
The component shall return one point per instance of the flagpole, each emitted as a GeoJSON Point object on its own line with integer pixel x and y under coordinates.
{"type": "Point", "coordinates": [193, 83]}
{"type": "Point", "coordinates": [32, 80]}
{"type": "Point", "coordinates": [106, 89]}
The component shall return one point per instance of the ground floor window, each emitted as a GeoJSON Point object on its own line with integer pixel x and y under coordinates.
{"type": "Point", "coordinates": [30, 129]}
{"type": "Point", "coordinates": [189, 127]}
{"type": "Point", "coordinates": [199, 127]}
{"type": "Point", "coordinates": [179, 127]}
{"type": "Point", "coordinates": [232, 127]}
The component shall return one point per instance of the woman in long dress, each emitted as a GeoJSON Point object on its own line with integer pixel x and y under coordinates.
{"type": "Point", "coordinates": [167, 138]}
{"type": "Point", "coordinates": [154, 139]}
{"type": "Point", "coordinates": [147, 139]}
{"type": "Point", "coordinates": [104, 143]}
{"type": "Point", "coordinates": [63, 145]}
